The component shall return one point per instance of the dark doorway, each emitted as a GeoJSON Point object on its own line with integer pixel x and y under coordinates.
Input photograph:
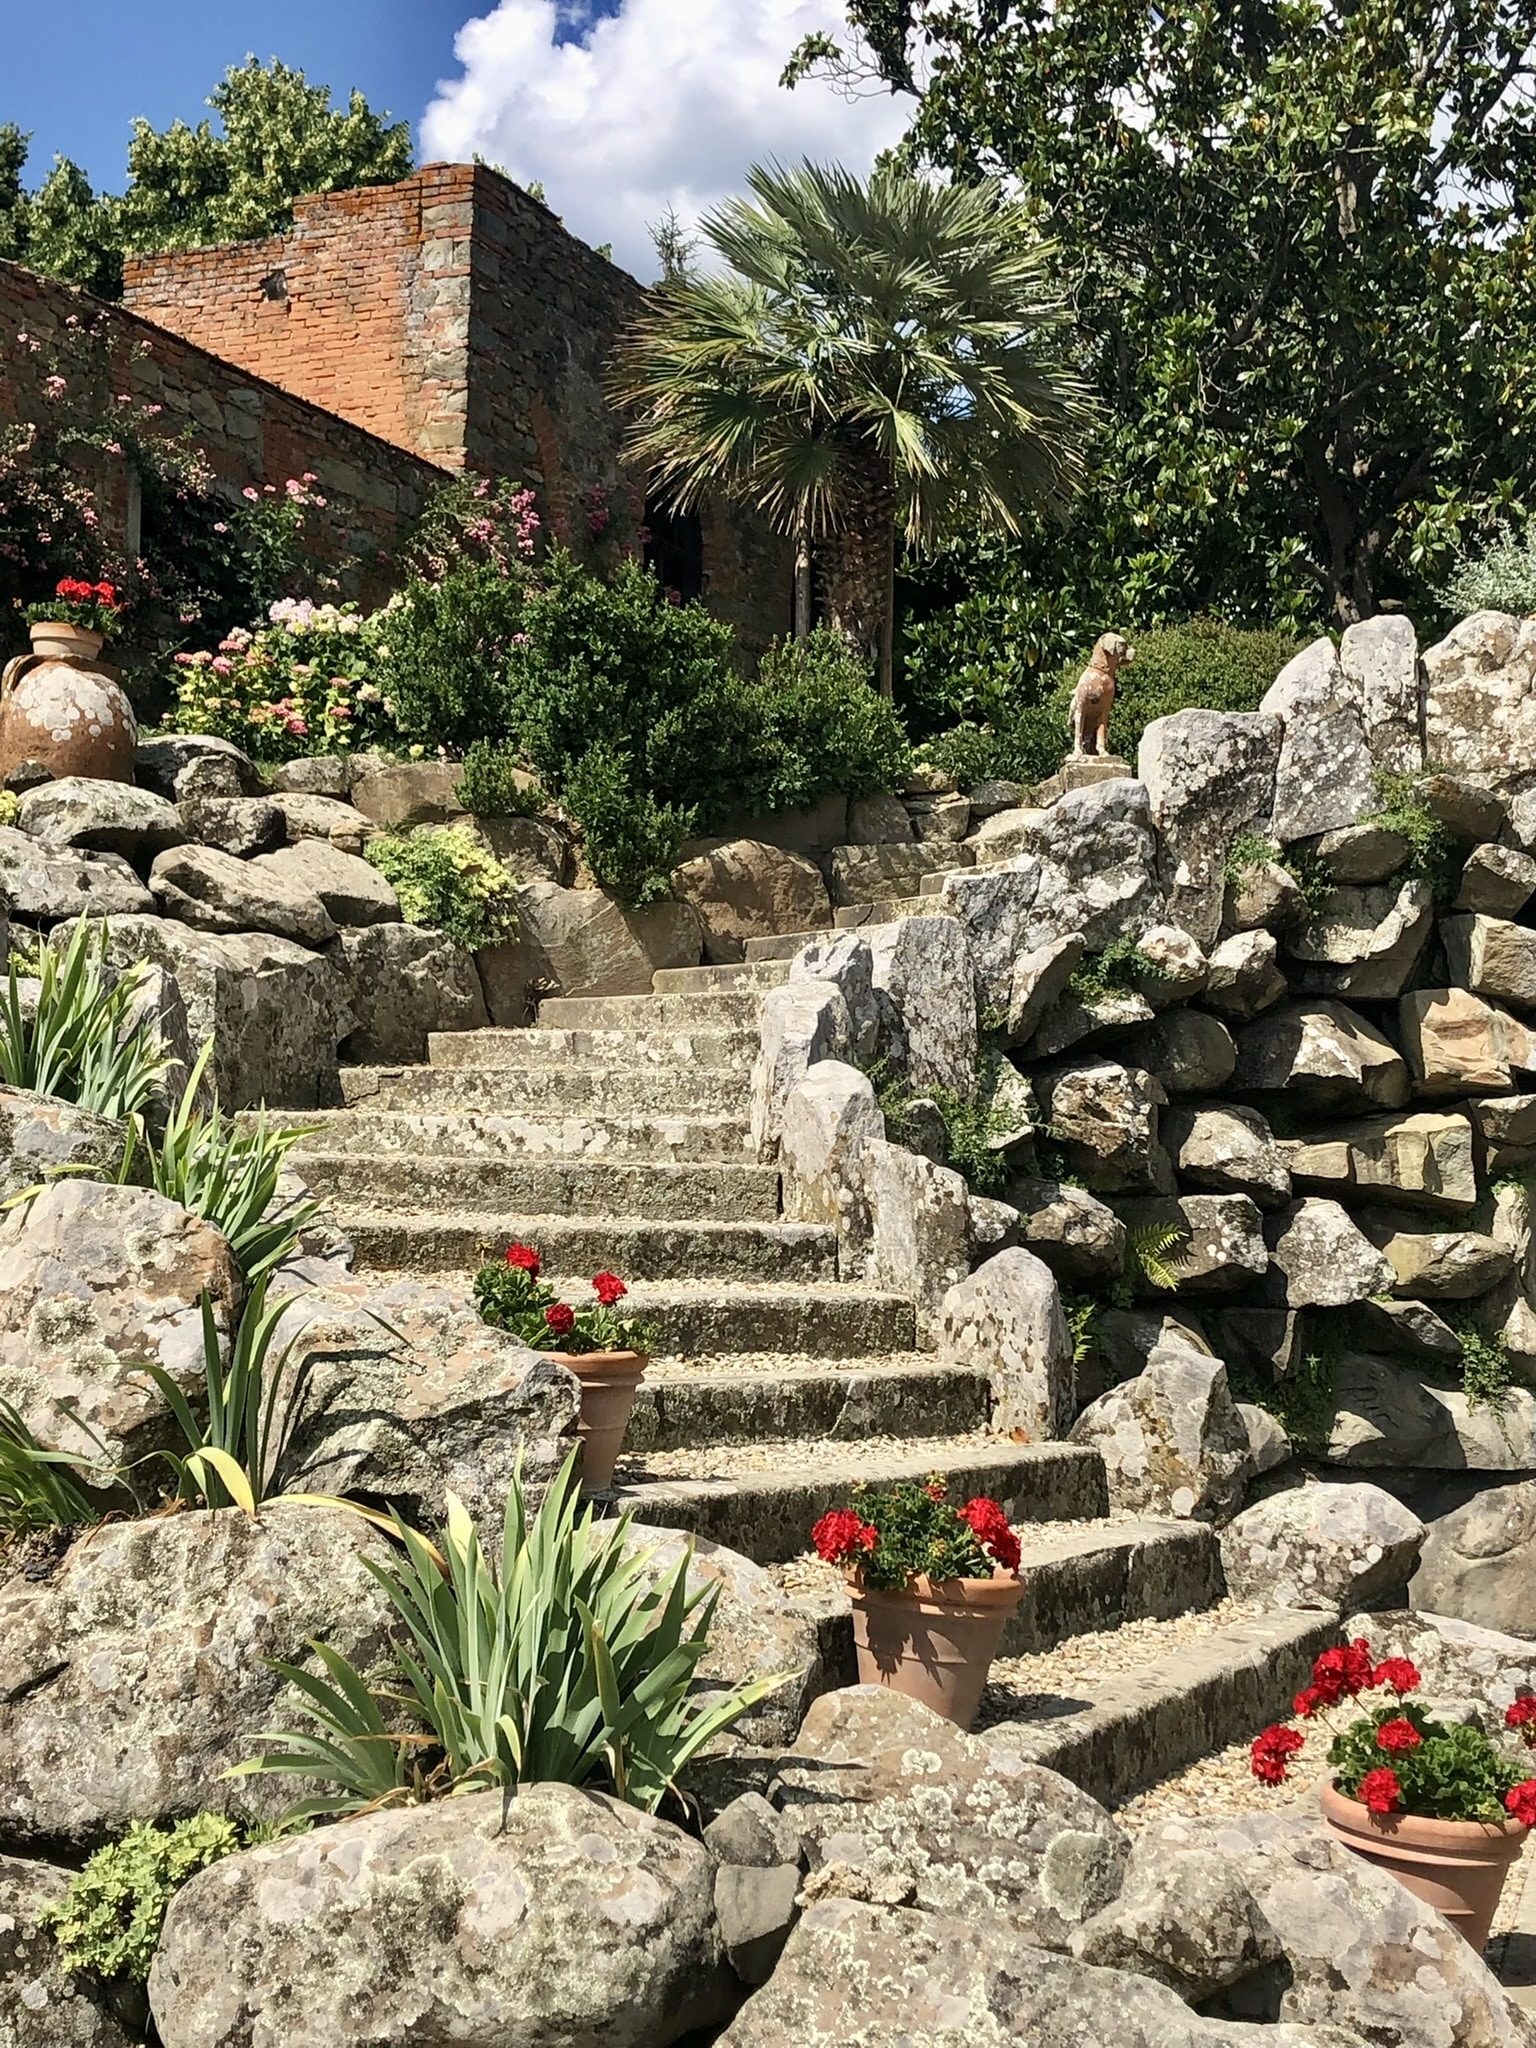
{"type": "Point", "coordinates": [674, 550]}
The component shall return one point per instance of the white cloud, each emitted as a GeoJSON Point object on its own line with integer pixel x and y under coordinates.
{"type": "Point", "coordinates": [665, 103]}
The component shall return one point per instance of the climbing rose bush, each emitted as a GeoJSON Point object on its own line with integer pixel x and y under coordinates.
{"type": "Point", "coordinates": [891, 1535]}
{"type": "Point", "coordinates": [1395, 1758]}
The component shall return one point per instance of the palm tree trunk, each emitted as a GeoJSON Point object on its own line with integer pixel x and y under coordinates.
{"type": "Point", "coordinates": [802, 582]}
{"type": "Point", "coordinates": [861, 567]}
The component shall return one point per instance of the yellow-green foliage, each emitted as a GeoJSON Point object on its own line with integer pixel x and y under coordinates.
{"type": "Point", "coordinates": [109, 1920]}
{"type": "Point", "coordinates": [447, 879]}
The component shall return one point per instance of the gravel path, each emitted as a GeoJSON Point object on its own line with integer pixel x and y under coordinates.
{"type": "Point", "coordinates": [785, 1365]}
{"type": "Point", "coordinates": [805, 1459]}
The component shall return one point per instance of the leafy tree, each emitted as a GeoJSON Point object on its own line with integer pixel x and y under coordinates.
{"type": "Point", "coordinates": [880, 354]}
{"type": "Point", "coordinates": [1305, 252]}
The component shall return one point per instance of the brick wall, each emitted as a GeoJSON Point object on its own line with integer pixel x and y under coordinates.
{"type": "Point", "coordinates": [251, 431]}
{"type": "Point", "coordinates": [453, 314]}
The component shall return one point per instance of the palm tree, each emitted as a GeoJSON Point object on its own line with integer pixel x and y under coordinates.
{"type": "Point", "coordinates": [879, 354]}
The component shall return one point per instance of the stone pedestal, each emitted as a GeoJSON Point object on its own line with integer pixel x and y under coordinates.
{"type": "Point", "coordinates": [1081, 771]}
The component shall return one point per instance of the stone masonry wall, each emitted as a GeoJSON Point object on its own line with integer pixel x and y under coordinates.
{"type": "Point", "coordinates": [251, 432]}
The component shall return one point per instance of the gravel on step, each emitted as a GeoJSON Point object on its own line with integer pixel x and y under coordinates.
{"type": "Point", "coordinates": [781, 1364]}
{"type": "Point", "coordinates": [735, 1461]}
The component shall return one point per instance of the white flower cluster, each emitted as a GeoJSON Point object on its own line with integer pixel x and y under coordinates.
{"type": "Point", "coordinates": [302, 615]}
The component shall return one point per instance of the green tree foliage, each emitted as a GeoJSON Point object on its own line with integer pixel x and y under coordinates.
{"type": "Point", "coordinates": [1304, 252]}
{"type": "Point", "coordinates": [279, 137]}
{"type": "Point", "coordinates": [879, 353]}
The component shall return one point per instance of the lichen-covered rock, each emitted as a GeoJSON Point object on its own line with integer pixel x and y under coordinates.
{"type": "Point", "coordinates": [800, 1024]}
{"type": "Point", "coordinates": [1218, 1244]}
{"type": "Point", "coordinates": [42, 2005]}
{"type": "Point", "coordinates": [743, 889]}
{"type": "Point", "coordinates": [1324, 1054]}
{"type": "Point", "coordinates": [1456, 1043]}
{"type": "Point", "coordinates": [1188, 1052]}
{"type": "Point", "coordinates": [1492, 957]}
{"type": "Point", "coordinates": [895, 1804]}
{"type": "Point", "coordinates": [1098, 871]}
{"type": "Point", "coordinates": [239, 825]}
{"type": "Point", "coordinates": [96, 1282]}
{"type": "Point", "coordinates": [1262, 895]}
{"type": "Point", "coordinates": [42, 884]}
{"type": "Point", "coordinates": [1436, 1265]}
{"type": "Point", "coordinates": [1472, 1668]}
{"type": "Point", "coordinates": [920, 1225]}
{"type": "Point", "coordinates": [1380, 656]}
{"type": "Point", "coordinates": [1187, 1921]}
{"type": "Point", "coordinates": [217, 893]}
{"type": "Point", "coordinates": [161, 760]}
{"type": "Point", "coordinates": [1007, 1319]}
{"type": "Point", "coordinates": [1480, 694]}
{"type": "Point", "coordinates": [1361, 1952]}
{"type": "Point", "coordinates": [1322, 1258]}
{"type": "Point", "coordinates": [924, 967]}
{"type": "Point", "coordinates": [39, 1133]}
{"type": "Point", "coordinates": [404, 983]}
{"type": "Point", "coordinates": [1175, 965]}
{"type": "Point", "coordinates": [1243, 978]}
{"type": "Point", "coordinates": [1209, 776]}
{"type": "Point", "coordinates": [556, 1917]}
{"type": "Point", "coordinates": [403, 794]}
{"type": "Point", "coordinates": [829, 1117]}
{"type": "Point", "coordinates": [1497, 881]}
{"type": "Point", "coordinates": [1325, 776]}
{"type": "Point", "coordinates": [1479, 1561]}
{"type": "Point", "coordinates": [1364, 943]}
{"type": "Point", "coordinates": [1079, 1237]}
{"type": "Point", "coordinates": [1172, 1440]}
{"type": "Point", "coordinates": [352, 890]}
{"type": "Point", "coordinates": [1361, 854]}
{"type": "Point", "coordinates": [100, 817]}
{"type": "Point", "coordinates": [139, 1671]}
{"type": "Point", "coordinates": [1077, 1021]}
{"type": "Point", "coordinates": [1322, 1546]}
{"type": "Point", "coordinates": [1424, 1161]}
{"type": "Point", "coordinates": [844, 959]}
{"type": "Point", "coordinates": [1227, 1150]}
{"type": "Point", "coordinates": [867, 1976]}
{"type": "Point", "coordinates": [1386, 1415]}
{"type": "Point", "coordinates": [1105, 1116]}
{"type": "Point", "coordinates": [1037, 981]}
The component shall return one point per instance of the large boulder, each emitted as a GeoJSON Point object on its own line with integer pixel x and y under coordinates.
{"type": "Point", "coordinates": [1493, 957]}
{"type": "Point", "coordinates": [1079, 1237]}
{"type": "Point", "coordinates": [1458, 1044]}
{"type": "Point", "coordinates": [1322, 1258]}
{"type": "Point", "coordinates": [1187, 1921]}
{"type": "Point", "coordinates": [352, 889]}
{"type": "Point", "coordinates": [405, 982]}
{"type": "Point", "coordinates": [274, 1010]}
{"type": "Point", "coordinates": [1209, 775]}
{"type": "Point", "coordinates": [553, 1918]}
{"type": "Point", "coordinates": [920, 1226]}
{"type": "Point", "coordinates": [1480, 695]}
{"type": "Point", "coordinates": [1242, 977]}
{"type": "Point", "coordinates": [923, 966]}
{"type": "Point", "coordinates": [1423, 1161]}
{"type": "Point", "coordinates": [241, 825]}
{"type": "Point", "coordinates": [1227, 1150]}
{"type": "Point", "coordinates": [1106, 1119]}
{"type": "Point", "coordinates": [1479, 1561]}
{"type": "Point", "coordinates": [743, 889]}
{"type": "Point", "coordinates": [845, 960]}
{"type": "Point", "coordinates": [1364, 943]}
{"type": "Point", "coordinates": [894, 1803]}
{"type": "Point", "coordinates": [1037, 981]}
{"type": "Point", "coordinates": [868, 1976]}
{"type": "Point", "coordinates": [1436, 1265]}
{"type": "Point", "coordinates": [39, 1134]}
{"type": "Point", "coordinates": [1217, 1240]}
{"type": "Point", "coordinates": [217, 893]}
{"type": "Point", "coordinates": [1380, 657]}
{"type": "Point", "coordinates": [98, 1281]}
{"type": "Point", "coordinates": [41, 884]}
{"type": "Point", "coordinates": [1465, 1670]}
{"type": "Point", "coordinates": [43, 2005]}
{"type": "Point", "coordinates": [1186, 1051]}
{"type": "Point", "coordinates": [1338, 1546]}
{"type": "Point", "coordinates": [800, 1024]}
{"type": "Point", "coordinates": [1325, 1055]}
{"type": "Point", "coordinates": [409, 1394]}
{"type": "Point", "coordinates": [578, 942]}
{"type": "Point", "coordinates": [1006, 1318]}
{"type": "Point", "coordinates": [408, 793]}
{"type": "Point", "coordinates": [210, 767]}
{"type": "Point", "coordinates": [321, 817]}
{"type": "Point", "coordinates": [829, 1119]}
{"type": "Point", "coordinates": [1361, 1953]}
{"type": "Point", "coordinates": [1497, 881]}
{"type": "Point", "coordinates": [101, 817]}
{"type": "Point", "coordinates": [1172, 1440]}
{"type": "Point", "coordinates": [140, 1670]}
{"type": "Point", "coordinates": [1325, 776]}
{"type": "Point", "coordinates": [1387, 1415]}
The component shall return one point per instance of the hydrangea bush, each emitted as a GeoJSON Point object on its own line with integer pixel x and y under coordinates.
{"type": "Point", "coordinates": [305, 683]}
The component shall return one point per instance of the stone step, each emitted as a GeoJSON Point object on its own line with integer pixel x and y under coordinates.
{"type": "Point", "coordinates": [463, 1134]}
{"type": "Point", "coordinates": [853, 916]}
{"type": "Point", "coordinates": [549, 1091]}
{"type": "Point", "coordinates": [1080, 1578]}
{"type": "Point", "coordinates": [661, 1190]}
{"type": "Point", "coordinates": [933, 885]}
{"type": "Point", "coordinates": [1118, 1734]}
{"type": "Point", "coordinates": [633, 1045]}
{"type": "Point", "coordinates": [767, 1512]}
{"type": "Point", "coordinates": [640, 1248]}
{"type": "Point", "coordinates": [706, 981]}
{"type": "Point", "coordinates": [842, 1403]}
{"type": "Point", "coordinates": [724, 1010]}
{"type": "Point", "coordinates": [785, 945]}
{"type": "Point", "coordinates": [863, 874]}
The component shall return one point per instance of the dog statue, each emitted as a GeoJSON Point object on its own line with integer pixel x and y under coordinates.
{"type": "Point", "coordinates": [1094, 698]}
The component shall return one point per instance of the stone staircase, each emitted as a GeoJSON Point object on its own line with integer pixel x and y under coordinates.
{"type": "Point", "coordinates": [615, 1134]}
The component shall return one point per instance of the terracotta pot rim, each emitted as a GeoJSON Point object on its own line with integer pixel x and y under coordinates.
{"type": "Point", "coordinates": [577, 1359]}
{"type": "Point", "coordinates": [1428, 1827]}
{"type": "Point", "coordinates": [1002, 1589]}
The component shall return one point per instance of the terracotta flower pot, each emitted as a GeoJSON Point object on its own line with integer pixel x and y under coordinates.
{"type": "Point", "coordinates": [67, 712]}
{"type": "Point", "coordinates": [934, 1643]}
{"type": "Point", "coordinates": [65, 642]}
{"type": "Point", "coordinates": [1456, 1866]}
{"type": "Point", "coordinates": [608, 1383]}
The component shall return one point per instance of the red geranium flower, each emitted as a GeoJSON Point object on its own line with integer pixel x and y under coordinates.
{"type": "Point", "coordinates": [106, 593]}
{"type": "Point", "coordinates": [1521, 1713]}
{"type": "Point", "coordinates": [1398, 1734]}
{"type": "Point", "coordinates": [560, 1317]}
{"type": "Point", "coordinates": [1380, 1791]}
{"type": "Point", "coordinates": [1521, 1801]}
{"type": "Point", "coordinates": [1398, 1674]}
{"type": "Point", "coordinates": [525, 1257]}
{"type": "Point", "coordinates": [1270, 1754]}
{"type": "Point", "coordinates": [990, 1527]}
{"type": "Point", "coordinates": [1340, 1674]}
{"type": "Point", "coordinates": [841, 1535]}
{"type": "Point", "coordinates": [608, 1288]}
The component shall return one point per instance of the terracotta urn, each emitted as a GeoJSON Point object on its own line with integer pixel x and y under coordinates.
{"type": "Point", "coordinates": [61, 707]}
{"type": "Point", "coordinates": [934, 1643]}
{"type": "Point", "coordinates": [1456, 1866]}
{"type": "Point", "coordinates": [608, 1382]}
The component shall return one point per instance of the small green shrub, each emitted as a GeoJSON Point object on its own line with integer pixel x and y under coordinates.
{"type": "Point", "coordinates": [629, 840]}
{"type": "Point", "coordinates": [1249, 852]}
{"type": "Point", "coordinates": [970, 1125]}
{"type": "Point", "coordinates": [489, 784]}
{"type": "Point", "coordinates": [444, 649]}
{"type": "Point", "coordinates": [445, 878]}
{"type": "Point", "coordinates": [1431, 850]}
{"type": "Point", "coordinates": [108, 1921]}
{"type": "Point", "coordinates": [1311, 874]}
{"type": "Point", "coordinates": [81, 1040]}
{"type": "Point", "coordinates": [826, 729]}
{"type": "Point", "coordinates": [1501, 578]}
{"type": "Point", "coordinates": [10, 807]}
{"type": "Point", "coordinates": [1117, 970]}
{"type": "Point", "coordinates": [1486, 1372]}
{"type": "Point", "coordinates": [563, 1661]}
